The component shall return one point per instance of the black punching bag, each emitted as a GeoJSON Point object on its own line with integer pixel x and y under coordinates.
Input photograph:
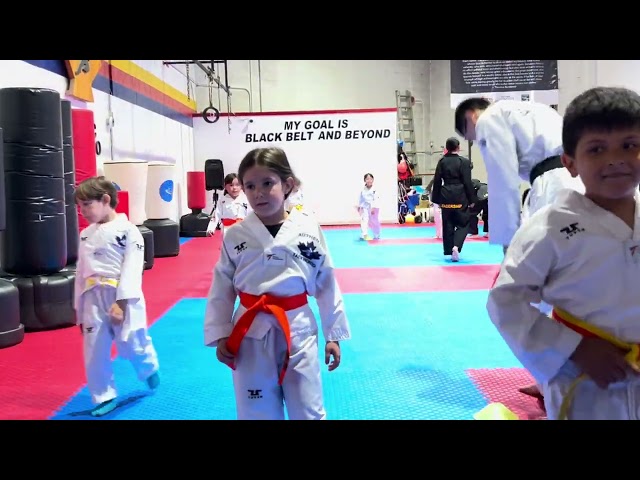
{"type": "Point", "coordinates": [3, 210]}
{"type": "Point", "coordinates": [35, 239]}
{"type": "Point", "coordinates": [69, 184]}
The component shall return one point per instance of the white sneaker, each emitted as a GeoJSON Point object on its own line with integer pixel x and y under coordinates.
{"type": "Point", "coordinates": [455, 254]}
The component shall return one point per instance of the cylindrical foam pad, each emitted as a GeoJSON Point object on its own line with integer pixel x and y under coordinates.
{"type": "Point", "coordinates": [196, 192]}
{"type": "Point", "coordinates": [149, 247]}
{"type": "Point", "coordinates": [46, 301]}
{"type": "Point", "coordinates": [166, 237]}
{"type": "Point", "coordinates": [123, 202]}
{"type": "Point", "coordinates": [160, 187]}
{"type": "Point", "coordinates": [11, 330]}
{"type": "Point", "coordinates": [84, 149]}
{"type": "Point", "coordinates": [131, 177]}
{"type": "Point", "coordinates": [71, 215]}
{"type": "Point", "coordinates": [35, 241]}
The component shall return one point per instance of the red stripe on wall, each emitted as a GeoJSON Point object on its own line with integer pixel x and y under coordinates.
{"type": "Point", "coordinates": [128, 81]}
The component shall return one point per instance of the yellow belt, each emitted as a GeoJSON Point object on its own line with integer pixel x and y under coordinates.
{"type": "Point", "coordinates": [93, 281]}
{"type": "Point", "coordinates": [497, 411]}
{"type": "Point", "coordinates": [588, 330]}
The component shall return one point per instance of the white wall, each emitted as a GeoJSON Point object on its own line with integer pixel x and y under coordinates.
{"type": "Point", "coordinates": [295, 85]}
{"type": "Point", "coordinates": [137, 133]}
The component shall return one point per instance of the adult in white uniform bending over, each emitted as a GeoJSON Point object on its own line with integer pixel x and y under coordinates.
{"type": "Point", "coordinates": [518, 141]}
{"type": "Point", "coordinates": [582, 255]}
{"type": "Point", "coordinates": [273, 260]}
{"type": "Point", "coordinates": [109, 302]}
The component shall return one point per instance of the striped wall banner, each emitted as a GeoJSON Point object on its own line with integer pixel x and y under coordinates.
{"type": "Point", "coordinates": [129, 82]}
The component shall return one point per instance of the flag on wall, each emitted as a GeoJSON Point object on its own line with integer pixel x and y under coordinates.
{"type": "Point", "coordinates": [522, 80]}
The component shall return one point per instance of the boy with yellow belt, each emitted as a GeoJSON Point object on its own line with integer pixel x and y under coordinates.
{"type": "Point", "coordinates": [582, 256]}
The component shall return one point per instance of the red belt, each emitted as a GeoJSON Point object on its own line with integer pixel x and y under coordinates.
{"type": "Point", "coordinates": [227, 222]}
{"type": "Point", "coordinates": [277, 306]}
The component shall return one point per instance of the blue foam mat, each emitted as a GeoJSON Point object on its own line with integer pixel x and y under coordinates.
{"type": "Point", "coordinates": [405, 363]}
{"type": "Point", "coordinates": [348, 251]}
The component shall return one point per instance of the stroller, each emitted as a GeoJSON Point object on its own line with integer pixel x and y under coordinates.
{"type": "Point", "coordinates": [408, 200]}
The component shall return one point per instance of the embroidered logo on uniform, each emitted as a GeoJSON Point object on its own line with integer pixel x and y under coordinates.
{"type": "Point", "coordinates": [273, 256]}
{"type": "Point", "coordinates": [122, 240]}
{"type": "Point", "coordinates": [314, 238]}
{"type": "Point", "coordinates": [572, 230]}
{"type": "Point", "coordinates": [83, 239]}
{"type": "Point", "coordinates": [308, 250]}
{"type": "Point", "coordinates": [140, 246]}
{"type": "Point", "coordinates": [241, 247]}
{"type": "Point", "coordinates": [254, 394]}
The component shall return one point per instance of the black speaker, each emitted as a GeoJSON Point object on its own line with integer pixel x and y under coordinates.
{"type": "Point", "coordinates": [214, 174]}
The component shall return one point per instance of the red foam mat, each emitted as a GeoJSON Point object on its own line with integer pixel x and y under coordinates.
{"type": "Point", "coordinates": [416, 279]}
{"type": "Point", "coordinates": [40, 374]}
{"type": "Point", "coordinates": [502, 384]}
{"type": "Point", "coordinates": [419, 241]}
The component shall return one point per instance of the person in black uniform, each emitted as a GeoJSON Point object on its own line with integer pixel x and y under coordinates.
{"type": "Point", "coordinates": [453, 191]}
{"type": "Point", "coordinates": [481, 205]}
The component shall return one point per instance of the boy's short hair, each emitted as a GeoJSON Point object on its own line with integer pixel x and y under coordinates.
{"type": "Point", "coordinates": [599, 109]}
{"type": "Point", "coordinates": [95, 188]}
{"type": "Point", "coordinates": [470, 104]}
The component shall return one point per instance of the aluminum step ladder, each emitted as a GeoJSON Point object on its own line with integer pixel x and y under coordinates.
{"type": "Point", "coordinates": [405, 125]}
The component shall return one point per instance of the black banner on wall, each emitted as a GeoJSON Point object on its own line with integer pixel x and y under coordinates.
{"type": "Point", "coordinates": [521, 80]}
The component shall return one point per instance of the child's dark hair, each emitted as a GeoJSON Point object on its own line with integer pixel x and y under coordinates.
{"type": "Point", "coordinates": [271, 158]}
{"type": "Point", "coordinates": [368, 175]}
{"type": "Point", "coordinates": [95, 188]}
{"type": "Point", "coordinates": [470, 104]}
{"type": "Point", "coordinates": [600, 109]}
{"type": "Point", "coordinates": [228, 180]}
{"type": "Point", "coordinates": [452, 144]}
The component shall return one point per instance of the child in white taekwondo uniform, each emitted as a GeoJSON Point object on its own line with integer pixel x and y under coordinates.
{"type": "Point", "coordinates": [368, 209]}
{"type": "Point", "coordinates": [273, 260]}
{"type": "Point", "coordinates": [233, 207]}
{"type": "Point", "coordinates": [582, 256]}
{"type": "Point", "coordinates": [295, 198]}
{"type": "Point", "coordinates": [435, 208]}
{"type": "Point", "coordinates": [109, 302]}
{"type": "Point", "coordinates": [518, 141]}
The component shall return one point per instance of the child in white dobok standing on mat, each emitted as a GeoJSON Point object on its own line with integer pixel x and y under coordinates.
{"type": "Point", "coordinates": [296, 198]}
{"type": "Point", "coordinates": [273, 261]}
{"type": "Point", "coordinates": [109, 302]}
{"type": "Point", "coordinates": [232, 207]}
{"type": "Point", "coordinates": [368, 209]}
{"type": "Point", "coordinates": [580, 255]}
